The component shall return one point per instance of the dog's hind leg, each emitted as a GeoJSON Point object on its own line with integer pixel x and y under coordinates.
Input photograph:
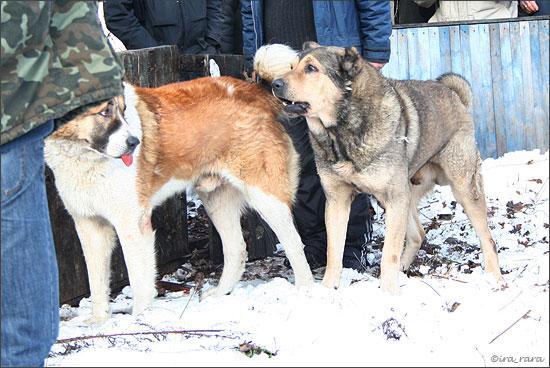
{"type": "Point", "coordinates": [423, 182]}
{"type": "Point", "coordinates": [224, 207]}
{"type": "Point", "coordinates": [278, 216]}
{"type": "Point", "coordinates": [97, 238]}
{"type": "Point", "coordinates": [461, 165]}
{"type": "Point", "coordinates": [413, 239]}
{"type": "Point", "coordinates": [138, 247]}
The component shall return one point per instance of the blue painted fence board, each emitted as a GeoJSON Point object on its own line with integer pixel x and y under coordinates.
{"type": "Point", "coordinates": [506, 64]}
{"type": "Point", "coordinates": [538, 110]}
{"type": "Point", "coordinates": [498, 94]}
{"type": "Point", "coordinates": [402, 62]}
{"type": "Point", "coordinates": [543, 62]}
{"type": "Point", "coordinates": [527, 77]}
{"type": "Point", "coordinates": [509, 92]}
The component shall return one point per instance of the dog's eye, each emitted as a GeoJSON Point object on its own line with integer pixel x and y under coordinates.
{"type": "Point", "coordinates": [106, 112]}
{"type": "Point", "coordinates": [311, 68]}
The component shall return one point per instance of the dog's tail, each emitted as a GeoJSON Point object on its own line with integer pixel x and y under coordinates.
{"type": "Point", "coordinates": [273, 61]}
{"type": "Point", "coordinates": [459, 85]}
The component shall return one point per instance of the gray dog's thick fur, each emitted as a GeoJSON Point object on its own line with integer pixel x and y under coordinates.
{"type": "Point", "coordinates": [394, 139]}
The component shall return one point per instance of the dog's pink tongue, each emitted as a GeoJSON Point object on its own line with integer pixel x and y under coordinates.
{"type": "Point", "coordinates": [127, 159]}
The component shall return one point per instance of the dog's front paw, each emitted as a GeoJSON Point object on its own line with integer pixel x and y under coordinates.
{"type": "Point", "coordinates": [139, 308]}
{"type": "Point", "coordinates": [330, 282]}
{"type": "Point", "coordinates": [303, 280]}
{"type": "Point", "coordinates": [499, 279]}
{"type": "Point", "coordinates": [143, 301]}
{"type": "Point", "coordinates": [97, 319]}
{"type": "Point", "coordinates": [390, 285]}
{"type": "Point", "coordinates": [495, 280]}
{"type": "Point", "coordinates": [213, 292]}
{"type": "Point", "coordinates": [406, 261]}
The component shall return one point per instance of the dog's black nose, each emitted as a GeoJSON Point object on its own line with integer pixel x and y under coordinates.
{"type": "Point", "coordinates": [132, 141]}
{"type": "Point", "coordinates": [277, 84]}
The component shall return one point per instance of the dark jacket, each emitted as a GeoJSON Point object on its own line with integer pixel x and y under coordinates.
{"type": "Point", "coordinates": [195, 26]}
{"type": "Point", "coordinates": [231, 31]}
{"type": "Point", "coordinates": [55, 58]}
{"type": "Point", "coordinates": [361, 23]}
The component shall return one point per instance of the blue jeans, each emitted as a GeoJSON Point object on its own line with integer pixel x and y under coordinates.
{"type": "Point", "coordinates": [30, 296]}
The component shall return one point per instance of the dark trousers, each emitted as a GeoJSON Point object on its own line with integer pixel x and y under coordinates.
{"type": "Point", "coordinates": [309, 206]}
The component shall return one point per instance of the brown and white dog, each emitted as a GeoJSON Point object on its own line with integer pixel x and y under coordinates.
{"type": "Point", "coordinates": [220, 135]}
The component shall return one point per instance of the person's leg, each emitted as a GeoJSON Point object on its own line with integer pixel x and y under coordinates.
{"type": "Point", "coordinates": [30, 301]}
{"type": "Point", "coordinates": [359, 233]}
{"type": "Point", "coordinates": [309, 206]}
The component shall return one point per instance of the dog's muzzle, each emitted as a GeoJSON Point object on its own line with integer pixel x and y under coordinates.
{"type": "Point", "coordinates": [278, 86]}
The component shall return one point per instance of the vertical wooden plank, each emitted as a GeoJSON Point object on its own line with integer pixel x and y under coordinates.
{"type": "Point", "coordinates": [394, 59]}
{"type": "Point", "coordinates": [175, 63]}
{"type": "Point", "coordinates": [480, 64]}
{"type": "Point", "coordinates": [130, 67]}
{"type": "Point", "coordinates": [538, 79]}
{"type": "Point", "coordinates": [529, 125]}
{"type": "Point", "coordinates": [434, 51]}
{"type": "Point", "coordinates": [423, 45]}
{"type": "Point", "coordinates": [390, 70]}
{"type": "Point", "coordinates": [403, 60]}
{"type": "Point", "coordinates": [509, 100]}
{"type": "Point", "coordinates": [518, 129]}
{"type": "Point", "coordinates": [143, 65]}
{"type": "Point", "coordinates": [477, 90]}
{"type": "Point", "coordinates": [152, 66]}
{"type": "Point", "coordinates": [170, 223]}
{"type": "Point", "coordinates": [445, 49]}
{"type": "Point", "coordinates": [137, 68]}
{"type": "Point", "coordinates": [485, 93]}
{"type": "Point", "coordinates": [414, 53]}
{"type": "Point", "coordinates": [498, 93]}
{"type": "Point", "coordinates": [465, 51]}
{"type": "Point", "coordinates": [543, 41]}
{"type": "Point", "coordinates": [456, 56]}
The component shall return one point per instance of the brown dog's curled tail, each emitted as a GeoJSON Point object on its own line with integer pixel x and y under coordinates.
{"type": "Point", "coordinates": [458, 84]}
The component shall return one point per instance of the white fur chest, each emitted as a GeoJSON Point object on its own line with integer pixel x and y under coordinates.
{"type": "Point", "coordinates": [89, 184]}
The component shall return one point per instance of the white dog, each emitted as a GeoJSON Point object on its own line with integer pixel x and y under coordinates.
{"type": "Point", "coordinates": [91, 158]}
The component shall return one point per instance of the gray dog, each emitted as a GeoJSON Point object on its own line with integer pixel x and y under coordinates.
{"type": "Point", "coordinates": [394, 139]}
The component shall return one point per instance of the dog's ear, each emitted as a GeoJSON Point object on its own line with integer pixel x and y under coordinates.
{"type": "Point", "coordinates": [309, 45]}
{"type": "Point", "coordinates": [350, 62]}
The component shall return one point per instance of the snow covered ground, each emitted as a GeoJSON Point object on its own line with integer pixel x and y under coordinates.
{"type": "Point", "coordinates": [448, 313]}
